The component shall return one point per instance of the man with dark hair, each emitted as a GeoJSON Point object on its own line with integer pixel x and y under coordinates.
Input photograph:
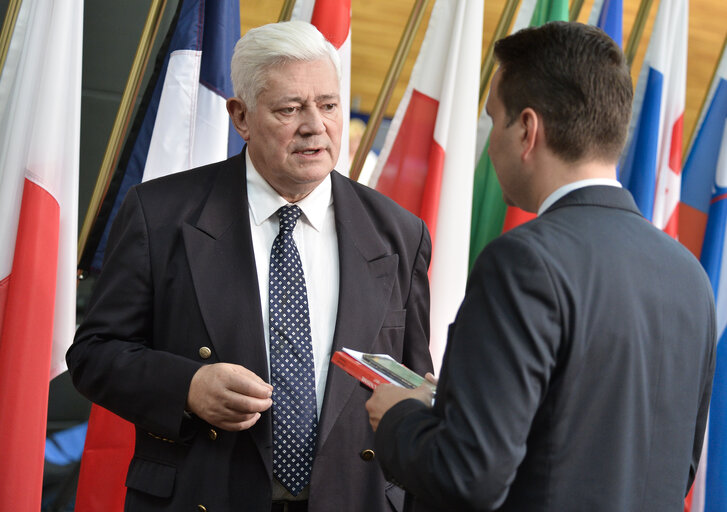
{"type": "Point", "coordinates": [578, 371]}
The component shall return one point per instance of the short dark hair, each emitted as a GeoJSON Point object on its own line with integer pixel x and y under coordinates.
{"type": "Point", "coordinates": [576, 78]}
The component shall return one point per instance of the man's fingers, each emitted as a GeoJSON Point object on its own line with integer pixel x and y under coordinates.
{"type": "Point", "coordinates": [239, 403]}
{"type": "Point", "coordinates": [227, 395]}
{"type": "Point", "coordinates": [248, 384]}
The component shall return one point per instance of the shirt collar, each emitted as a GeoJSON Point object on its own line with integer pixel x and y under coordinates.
{"type": "Point", "coordinates": [264, 201]}
{"type": "Point", "coordinates": [575, 185]}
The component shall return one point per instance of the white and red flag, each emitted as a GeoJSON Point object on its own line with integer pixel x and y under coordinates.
{"type": "Point", "coordinates": [40, 111]}
{"type": "Point", "coordinates": [428, 159]}
{"type": "Point", "coordinates": [333, 19]}
{"type": "Point", "coordinates": [652, 167]}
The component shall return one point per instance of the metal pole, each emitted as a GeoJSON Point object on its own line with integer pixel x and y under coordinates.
{"type": "Point", "coordinates": [123, 116]}
{"type": "Point", "coordinates": [575, 10]}
{"type": "Point", "coordinates": [488, 63]}
{"type": "Point", "coordinates": [11, 16]}
{"type": "Point", "coordinates": [387, 88]}
{"type": "Point", "coordinates": [287, 10]}
{"type": "Point", "coordinates": [637, 30]}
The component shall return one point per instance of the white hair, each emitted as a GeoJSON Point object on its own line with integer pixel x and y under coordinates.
{"type": "Point", "coordinates": [273, 44]}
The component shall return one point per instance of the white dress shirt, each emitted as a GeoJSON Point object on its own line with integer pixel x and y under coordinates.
{"type": "Point", "coordinates": [570, 187]}
{"type": "Point", "coordinates": [315, 237]}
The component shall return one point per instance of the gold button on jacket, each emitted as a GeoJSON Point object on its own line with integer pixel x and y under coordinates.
{"type": "Point", "coordinates": [367, 455]}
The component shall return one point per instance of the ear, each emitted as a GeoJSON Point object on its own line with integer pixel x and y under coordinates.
{"type": "Point", "coordinates": [531, 130]}
{"type": "Point", "coordinates": [238, 114]}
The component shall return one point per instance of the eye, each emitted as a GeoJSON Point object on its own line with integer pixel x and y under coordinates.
{"type": "Point", "coordinates": [329, 107]}
{"type": "Point", "coordinates": [288, 110]}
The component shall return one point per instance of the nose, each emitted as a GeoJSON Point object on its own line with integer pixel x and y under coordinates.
{"type": "Point", "coordinates": [312, 122]}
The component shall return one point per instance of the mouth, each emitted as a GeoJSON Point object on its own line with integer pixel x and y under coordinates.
{"type": "Point", "coordinates": [309, 151]}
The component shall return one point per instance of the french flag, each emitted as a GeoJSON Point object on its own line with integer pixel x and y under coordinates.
{"type": "Point", "coordinates": [428, 158]}
{"type": "Point", "coordinates": [40, 114]}
{"type": "Point", "coordinates": [333, 19]}
{"type": "Point", "coordinates": [652, 167]}
{"type": "Point", "coordinates": [182, 123]}
{"type": "Point", "coordinates": [703, 218]}
{"type": "Point", "coordinates": [182, 120]}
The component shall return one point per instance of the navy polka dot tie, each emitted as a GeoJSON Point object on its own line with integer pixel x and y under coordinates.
{"type": "Point", "coordinates": [291, 361]}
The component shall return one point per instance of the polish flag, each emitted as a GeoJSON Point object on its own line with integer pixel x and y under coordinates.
{"type": "Point", "coordinates": [40, 109]}
{"type": "Point", "coordinates": [428, 159]}
{"type": "Point", "coordinates": [652, 168]}
{"type": "Point", "coordinates": [333, 19]}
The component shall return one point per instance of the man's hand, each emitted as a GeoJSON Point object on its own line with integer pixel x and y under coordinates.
{"type": "Point", "coordinates": [228, 396]}
{"type": "Point", "coordinates": [386, 396]}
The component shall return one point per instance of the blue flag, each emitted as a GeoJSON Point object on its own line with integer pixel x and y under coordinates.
{"type": "Point", "coordinates": [704, 188]}
{"type": "Point", "coordinates": [608, 16]}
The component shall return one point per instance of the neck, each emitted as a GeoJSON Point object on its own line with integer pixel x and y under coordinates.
{"type": "Point", "coordinates": [564, 173]}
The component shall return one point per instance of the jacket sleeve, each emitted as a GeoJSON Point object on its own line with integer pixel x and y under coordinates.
{"type": "Point", "coordinates": [113, 360]}
{"type": "Point", "coordinates": [416, 342]}
{"type": "Point", "coordinates": [703, 411]}
{"type": "Point", "coordinates": [501, 352]}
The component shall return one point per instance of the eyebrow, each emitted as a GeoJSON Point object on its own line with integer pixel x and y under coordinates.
{"type": "Point", "coordinates": [322, 97]}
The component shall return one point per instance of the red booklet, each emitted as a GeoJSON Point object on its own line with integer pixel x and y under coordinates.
{"type": "Point", "coordinates": [375, 369]}
{"type": "Point", "coordinates": [356, 368]}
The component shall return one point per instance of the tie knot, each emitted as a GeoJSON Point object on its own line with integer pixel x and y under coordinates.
{"type": "Point", "coordinates": [288, 215]}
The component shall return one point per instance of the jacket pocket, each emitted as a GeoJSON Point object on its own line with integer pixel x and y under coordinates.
{"type": "Point", "coordinates": [396, 318]}
{"type": "Point", "coordinates": [151, 477]}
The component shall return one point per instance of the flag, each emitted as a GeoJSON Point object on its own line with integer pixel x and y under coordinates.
{"type": "Point", "coordinates": [182, 123]}
{"type": "Point", "coordinates": [490, 214]}
{"type": "Point", "coordinates": [608, 16]}
{"type": "Point", "coordinates": [427, 159]}
{"type": "Point", "coordinates": [700, 165]}
{"type": "Point", "coordinates": [40, 113]}
{"type": "Point", "coordinates": [652, 167]}
{"type": "Point", "coordinates": [713, 258]}
{"type": "Point", "coordinates": [703, 216]}
{"type": "Point", "coordinates": [333, 19]}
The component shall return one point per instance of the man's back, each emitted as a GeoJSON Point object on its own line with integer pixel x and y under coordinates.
{"type": "Point", "coordinates": [629, 390]}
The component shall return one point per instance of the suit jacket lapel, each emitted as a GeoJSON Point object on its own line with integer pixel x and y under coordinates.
{"type": "Point", "coordinates": [367, 274]}
{"type": "Point", "coordinates": [222, 262]}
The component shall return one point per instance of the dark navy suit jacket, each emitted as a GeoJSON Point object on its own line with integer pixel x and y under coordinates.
{"type": "Point", "coordinates": [577, 374]}
{"type": "Point", "coordinates": [179, 275]}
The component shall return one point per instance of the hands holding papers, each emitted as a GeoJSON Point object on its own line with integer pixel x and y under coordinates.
{"type": "Point", "coordinates": [388, 395]}
{"type": "Point", "coordinates": [391, 381]}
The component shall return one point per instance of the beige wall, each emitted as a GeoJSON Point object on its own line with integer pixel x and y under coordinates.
{"type": "Point", "coordinates": [377, 26]}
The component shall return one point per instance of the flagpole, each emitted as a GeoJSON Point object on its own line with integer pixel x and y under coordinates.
{"type": "Point", "coordinates": [11, 16]}
{"type": "Point", "coordinates": [488, 63]}
{"type": "Point", "coordinates": [575, 10]}
{"type": "Point", "coordinates": [286, 11]}
{"type": "Point", "coordinates": [121, 123]}
{"type": "Point", "coordinates": [637, 30]}
{"type": "Point", "coordinates": [685, 154]}
{"type": "Point", "coordinates": [387, 89]}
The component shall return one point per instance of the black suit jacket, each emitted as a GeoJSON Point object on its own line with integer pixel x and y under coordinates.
{"type": "Point", "coordinates": [179, 275]}
{"type": "Point", "coordinates": [577, 374]}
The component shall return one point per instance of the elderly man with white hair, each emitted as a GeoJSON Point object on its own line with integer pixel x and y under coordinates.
{"type": "Point", "coordinates": [226, 289]}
